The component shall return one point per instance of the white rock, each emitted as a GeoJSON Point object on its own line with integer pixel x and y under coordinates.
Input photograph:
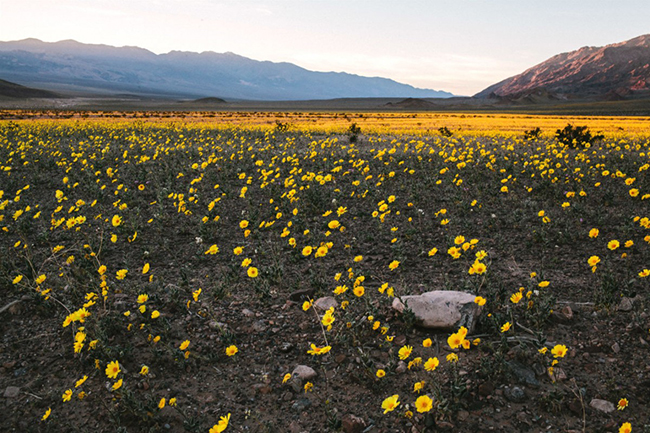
{"type": "Point", "coordinates": [326, 303]}
{"type": "Point", "coordinates": [442, 309]}
{"type": "Point", "coordinates": [304, 372]}
{"type": "Point", "coordinates": [602, 405]}
{"type": "Point", "coordinates": [11, 392]}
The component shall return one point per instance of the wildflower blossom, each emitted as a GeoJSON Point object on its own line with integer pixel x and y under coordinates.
{"type": "Point", "coordinates": [221, 425]}
{"type": "Point", "coordinates": [390, 403]}
{"type": "Point", "coordinates": [423, 404]}
{"type": "Point", "coordinates": [67, 395]}
{"type": "Point", "coordinates": [613, 244]}
{"type": "Point", "coordinates": [516, 297]}
{"type": "Point", "coordinates": [431, 364]}
{"type": "Point", "coordinates": [593, 260]}
{"type": "Point", "coordinates": [404, 352]}
{"type": "Point", "coordinates": [315, 350]}
{"type": "Point", "coordinates": [112, 369]}
{"type": "Point", "coordinates": [559, 351]}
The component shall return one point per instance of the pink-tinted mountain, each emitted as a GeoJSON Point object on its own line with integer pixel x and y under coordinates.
{"type": "Point", "coordinates": [613, 72]}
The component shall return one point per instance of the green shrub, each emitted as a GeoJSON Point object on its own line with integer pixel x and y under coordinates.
{"type": "Point", "coordinates": [576, 136]}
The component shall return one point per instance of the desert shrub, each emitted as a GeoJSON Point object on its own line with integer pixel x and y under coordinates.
{"type": "Point", "coordinates": [282, 126]}
{"type": "Point", "coordinates": [445, 131]}
{"type": "Point", "coordinates": [353, 132]}
{"type": "Point", "coordinates": [532, 134]}
{"type": "Point", "coordinates": [576, 136]}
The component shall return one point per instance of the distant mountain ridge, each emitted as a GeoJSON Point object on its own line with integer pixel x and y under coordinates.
{"type": "Point", "coordinates": [13, 90]}
{"type": "Point", "coordinates": [606, 73]}
{"type": "Point", "coordinates": [87, 68]}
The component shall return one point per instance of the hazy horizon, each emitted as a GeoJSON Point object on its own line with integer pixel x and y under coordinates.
{"type": "Point", "coordinates": [460, 47]}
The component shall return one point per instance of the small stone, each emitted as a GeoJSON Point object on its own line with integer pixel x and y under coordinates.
{"type": "Point", "coordinates": [444, 426]}
{"type": "Point", "coordinates": [287, 396]}
{"type": "Point", "coordinates": [524, 374]}
{"type": "Point", "coordinates": [352, 424]}
{"type": "Point", "coordinates": [296, 384]}
{"type": "Point", "coordinates": [339, 358]}
{"type": "Point", "coordinates": [575, 406]}
{"type": "Point", "coordinates": [602, 405]}
{"type": "Point", "coordinates": [248, 313]}
{"type": "Point", "coordinates": [564, 315]}
{"type": "Point", "coordinates": [616, 348]}
{"type": "Point", "coordinates": [304, 372]}
{"type": "Point", "coordinates": [167, 426]}
{"type": "Point", "coordinates": [262, 388]}
{"type": "Point", "coordinates": [217, 325]}
{"type": "Point", "coordinates": [401, 367]}
{"type": "Point", "coordinates": [16, 309]}
{"type": "Point", "coordinates": [325, 303]}
{"type": "Point", "coordinates": [626, 304]}
{"type": "Point", "coordinates": [486, 389]}
{"type": "Point", "coordinates": [301, 405]}
{"type": "Point", "coordinates": [524, 418]}
{"type": "Point", "coordinates": [259, 326]}
{"type": "Point", "coordinates": [294, 427]}
{"type": "Point", "coordinates": [302, 295]}
{"type": "Point", "coordinates": [442, 309]}
{"type": "Point", "coordinates": [462, 415]}
{"type": "Point", "coordinates": [11, 392]}
{"type": "Point", "coordinates": [558, 375]}
{"type": "Point", "coordinates": [286, 347]}
{"type": "Point", "coordinates": [539, 369]}
{"type": "Point", "coordinates": [515, 394]}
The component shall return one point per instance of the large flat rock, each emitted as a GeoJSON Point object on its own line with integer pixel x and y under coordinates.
{"type": "Point", "coordinates": [442, 309]}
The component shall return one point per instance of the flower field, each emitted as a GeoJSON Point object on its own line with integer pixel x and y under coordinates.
{"type": "Point", "coordinates": [167, 274]}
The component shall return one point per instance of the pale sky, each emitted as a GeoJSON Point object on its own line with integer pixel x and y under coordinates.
{"type": "Point", "coordinates": [461, 46]}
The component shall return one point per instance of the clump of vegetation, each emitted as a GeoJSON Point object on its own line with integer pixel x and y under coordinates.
{"type": "Point", "coordinates": [282, 126]}
{"type": "Point", "coordinates": [532, 134]}
{"type": "Point", "coordinates": [444, 131]}
{"type": "Point", "coordinates": [353, 132]}
{"type": "Point", "coordinates": [576, 136]}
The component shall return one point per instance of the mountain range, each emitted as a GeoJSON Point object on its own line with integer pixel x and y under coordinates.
{"type": "Point", "coordinates": [613, 72]}
{"type": "Point", "coordinates": [73, 67]}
